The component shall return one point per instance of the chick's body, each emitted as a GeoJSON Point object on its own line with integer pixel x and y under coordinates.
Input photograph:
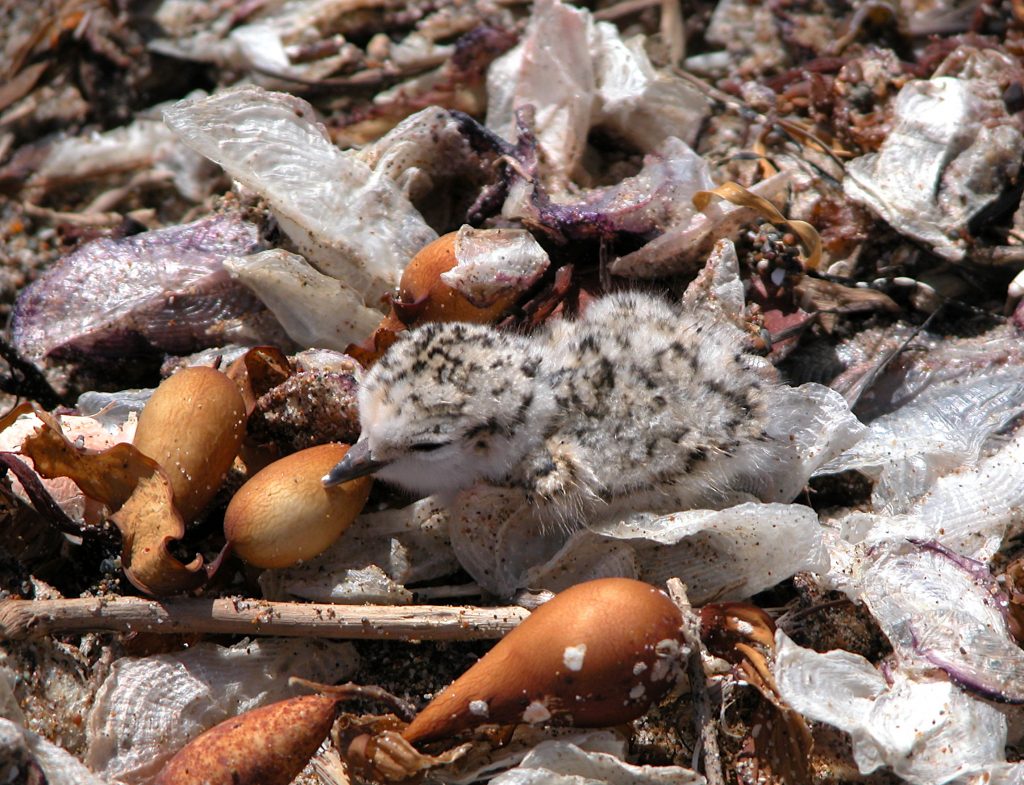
{"type": "Point", "coordinates": [638, 401]}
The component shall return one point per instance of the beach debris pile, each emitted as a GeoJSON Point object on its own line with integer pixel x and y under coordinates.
{"type": "Point", "coordinates": [217, 218]}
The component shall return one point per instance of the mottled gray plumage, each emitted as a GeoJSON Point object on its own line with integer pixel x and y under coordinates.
{"type": "Point", "coordinates": [638, 401]}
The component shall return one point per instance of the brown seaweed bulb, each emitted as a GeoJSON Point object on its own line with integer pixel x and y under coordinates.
{"type": "Point", "coordinates": [424, 297]}
{"type": "Point", "coordinates": [265, 746]}
{"type": "Point", "coordinates": [284, 514]}
{"type": "Point", "coordinates": [193, 426]}
{"type": "Point", "coordinates": [598, 654]}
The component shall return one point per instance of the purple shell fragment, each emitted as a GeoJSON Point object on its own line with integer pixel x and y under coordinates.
{"type": "Point", "coordinates": [947, 611]}
{"type": "Point", "coordinates": [165, 290]}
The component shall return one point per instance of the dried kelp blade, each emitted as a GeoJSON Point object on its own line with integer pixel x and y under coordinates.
{"type": "Point", "coordinates": [740, 196]}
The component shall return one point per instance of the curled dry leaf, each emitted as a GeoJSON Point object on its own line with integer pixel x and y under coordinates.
{"type": "Point", "coordinates": [112, 477]}
{"type": "Point", "coordinates": [257, 371]}
{"type": "Point", "coordinates": [738, 195]}
{"type": "Point", "coordinates": [266, 746]}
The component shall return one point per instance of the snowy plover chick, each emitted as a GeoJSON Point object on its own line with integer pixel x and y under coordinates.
{"type": "Point", "coordinates": [638, 400]}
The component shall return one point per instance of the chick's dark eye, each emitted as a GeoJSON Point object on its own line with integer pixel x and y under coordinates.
{"type": "Point", "coordinates": [427, 446]}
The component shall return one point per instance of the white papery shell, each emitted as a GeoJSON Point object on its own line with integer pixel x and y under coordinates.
{"type": "Point", "coordinates": [379, 553]}
{"type": "Point", "coordinates": [942, 429]}
{"type": "Point", "coordinates": [726, 554]}
{"type": "Point", "coordinates": [150, 707]}
{"type": "Point", "coordinates": [494, 263]}
{"type": "Point", "coordinates": [941, 611]}
{"type": "Point", "coordinates": [952, 150]}
{"type": "Point", "coordinates": [563, 763]}
{"type": "Point", "coordinates": [314, 309]}
{"type": "Point", "coordinates": [484, 761]}
{"type": "Point", "coordinates": [577, 73]}
{"type": "Point", "coordinates": [20, 748]}
{"type": "Point", "coordinates": [550, 69]}
{"type": "Point", "coordinates": [928, 732]}
{"type": "Point", "coordinates": [425, 148]}
{"type": "Point", "coordinates": [353, 223]}
{"type": "Point", "coordinates": [497, 538]}
{"type": "Point", "coordinates": [969, 510]}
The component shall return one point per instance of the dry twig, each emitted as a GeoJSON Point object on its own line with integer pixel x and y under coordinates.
{"type": "Point", "coordinates": [236, 616]}
{"type": "Point", "coordinates": [704, 719]}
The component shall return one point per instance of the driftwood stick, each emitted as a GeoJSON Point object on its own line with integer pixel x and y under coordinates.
{"type": "Point", "coordinates": [704, 717]}
{"type": "Point", "coordinates": [27, 618]}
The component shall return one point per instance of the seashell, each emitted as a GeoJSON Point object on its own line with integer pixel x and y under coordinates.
{"type": "Point", "coordinates": [97, 301]}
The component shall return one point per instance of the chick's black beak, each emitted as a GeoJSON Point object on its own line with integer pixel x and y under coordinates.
{"type": "Point", "coordinates": [357, 463]}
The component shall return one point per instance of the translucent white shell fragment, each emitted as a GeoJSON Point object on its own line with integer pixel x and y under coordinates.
{"type": "Point", "coordinates": [943, 611]}
{"type": "Point", "coordinates": [150, 707]}
{"type": "Point", "coordinates": [563, 763]}
{"type": "Point", "coordinates": [551, 69]}
{"type": "Point", "coordinates": [577, 73]}
{"type": "Point", "coordinates": [24, 753]}
{"type": "Point", "coordinates": [939, 431]}
{"type": "Point", "coordinates": [314, 309]}
{"type": "Point", "coordinates": [952, 151]}
{"type": "Point", "coordinates": [372, 562]}
{"type": "Point", "coordinates": [968, 510]}
{"type": "Point", "coordinates": [144, 144]}
{"type": "Point", "coordinates": [492, 263]}
{"type": "Point", "coordinates": [354, 224]}
{"type": "Point", "coordinates": [732, 553]}
{"type": "Point", "coordinates": [926, 731]}
{"type": "Point", "coordinates": [426, 147]}
{"type": "Point", "coordinates": [726, 554]}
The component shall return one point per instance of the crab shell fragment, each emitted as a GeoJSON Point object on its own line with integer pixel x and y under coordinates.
{"type": "Point", "coordinates": [598, 654]}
